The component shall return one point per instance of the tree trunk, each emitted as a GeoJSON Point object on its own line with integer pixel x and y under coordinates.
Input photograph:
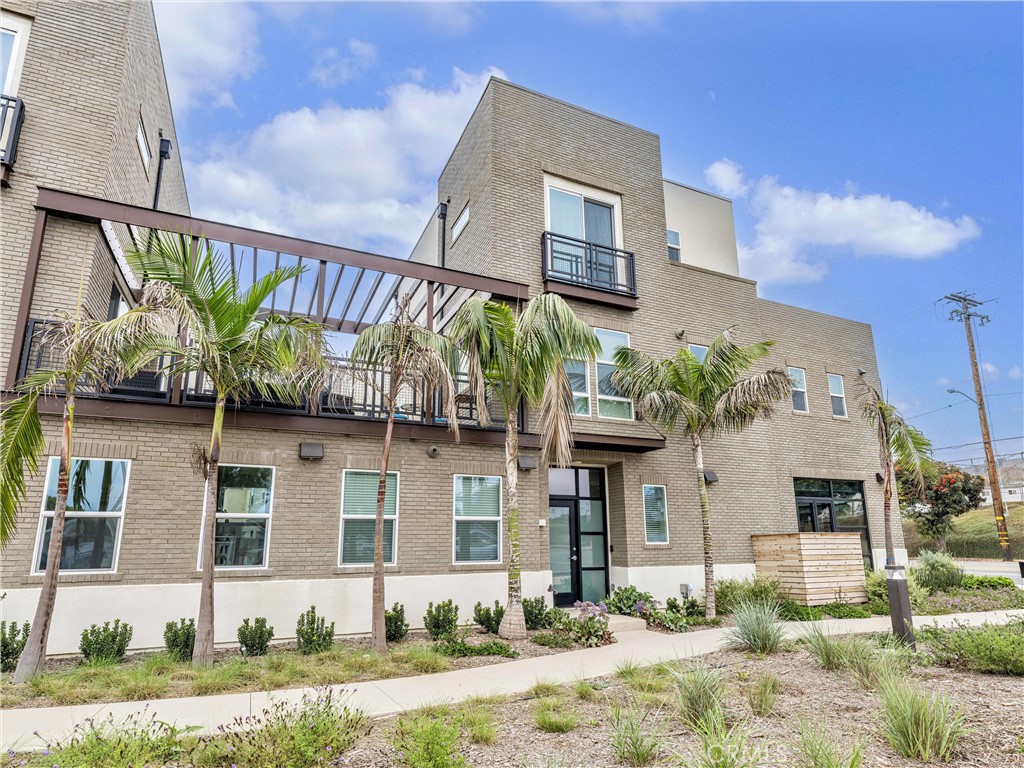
{"type": "Point", "coordinates": [513, 625]}
{"type": "Point", "coordinates": [378, 633]}
{"type": "Point", "coordinates": [33, 656]}
{"type": "Point", "coordinates": [705, 527]}
{"type": "Point", "coordinates": [202, 654]}
{"type": "Point", "coordinates": [940, 541]}
{"type": "Point", "coordinates": [890, 551]}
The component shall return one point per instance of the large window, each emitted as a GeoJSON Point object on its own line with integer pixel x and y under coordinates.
{"type": "Point", "coordinates": [579, 379]}
{"type": "Point", "coordinates": [358, 513]}
{"type": "Point", "coordinates": [610, 402]}
{"type": "Point", "coordinates": [14, 31]}
{"type": "Point", "coordinates": [798, 381]}
{"type": "Point", "coordinates": [655, 514]}
{"type": "Point", "coordinates": [826, 506]}
{"type": "Point", "coordinates": [95, 512]}
{"type": "Point", "coordinates": [837, 392]}
{"type": "Point", "coordinates": [244, 504]}
{"type": "Point", "coordinates": [477, 512]}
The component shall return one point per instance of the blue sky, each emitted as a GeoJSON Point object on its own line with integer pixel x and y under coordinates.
{"type": "Point", "coordinates": [873, 151]}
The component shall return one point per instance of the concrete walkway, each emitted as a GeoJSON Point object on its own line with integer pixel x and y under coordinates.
{"type": "Point", "coordinates": [23, 729]}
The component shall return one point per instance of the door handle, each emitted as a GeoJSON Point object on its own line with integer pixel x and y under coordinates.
{"type": "Point", "coordinates": [573, 557]}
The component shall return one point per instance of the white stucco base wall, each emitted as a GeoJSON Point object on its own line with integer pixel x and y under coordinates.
{"type": "Point", "coordinates": [345, 601]}
{"type": "Point", "coordinates": [878, 556]}
{"type": "Point", "coordinates": [664, 581]}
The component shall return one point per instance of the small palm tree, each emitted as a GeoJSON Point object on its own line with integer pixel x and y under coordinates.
{"type": "Point", "coordinates": [701, 400]}
{"type": "Point", "coordinates": [237, 347]}
{"type": "Point", "coordinates": [898, 444]}
{"type": "Point", "coordinates": [88, 352]}
{"type": "Point", "coordinates": [520, 359]}
{"type": "Point", "coordinates": [395, 358]}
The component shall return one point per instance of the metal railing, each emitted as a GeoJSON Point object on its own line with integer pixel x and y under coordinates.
{"type": "Point", "coordinates": [12, 114]}
{"type": "Point", "coordinates": [590, 265]}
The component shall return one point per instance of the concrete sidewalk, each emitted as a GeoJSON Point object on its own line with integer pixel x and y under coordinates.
{"type": "Point", "coordinates": [23, 729]}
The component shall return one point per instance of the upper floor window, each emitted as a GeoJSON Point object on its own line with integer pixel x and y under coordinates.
{"type": "Point", "coordinates": [358, 516]}
{"type": "Point", "coordinates": [578, 372]}
{"type": "Point", "coordinates": [143, 141]}
{"type": "Point", "coordinates": [673, 245]}
{"type": "Point", "coordinates": [13, 41]}
{"type": "Point", "coordinates": [838, 394]}
{"type": "Point", "coordinates": [576, 215]}
{"type": "Point", "coordinates": [244, 502]}
{"type": "Point", "coordinates": [95, 511]}
{"type": "Point", "coordinates": [610, 402]}
{"type": "Point", "coordinates": [798, 381]}
{"type": "Point", "coordinates": [700, 351]}
{"type": "Point", "coordinates": [460, 223]}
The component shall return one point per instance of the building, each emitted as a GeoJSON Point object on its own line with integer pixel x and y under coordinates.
{"type": "Point", "coordinates": [537, 195]}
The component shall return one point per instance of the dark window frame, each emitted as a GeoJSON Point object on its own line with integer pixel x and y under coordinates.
{"type": "Point", "coordinates": [832, 499]}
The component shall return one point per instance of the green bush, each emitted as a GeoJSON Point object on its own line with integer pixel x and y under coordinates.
{"type": "Point", "coordinates": [878, 607]}
{"type": "Point", "coordinates": [757, 627]}
{"type": "Point", "coordinates": [731, 592]}
{"type": "Point", "coordinates": [457, 647]}
{"type": "Point", "coordinates": [12, 643]}
{"type": "Point", "coordinates": [106, 643]}
{"type": "Point", "coordinates": [589, 629]}
{"type": "Point", "coordinates": [690, 606]}
{"type": "Point", "coordinates": [136, 740]}
{"type": "Point", "coordinates": [254, 639]}
{"type": "Point", "coordinates": [537, 613]}
{"type": "Point", "coordinates": [991, 648]}
{"type": "Point", "coordinates": [878, 591]}
{"type": "Point", "coordinates": [668, 620]}
{"type": "Point", "coordinates": [918, 725]}
{"type": "Point", "coordinates": [441, 621]}
{"type": "Point", "coordinates": [791, 610]}
{"type": "Point", "coordinates": [553, 640]}
{"type": "Point", "coordinates": [972, 600]}
{"type": "Point", "coordinates": [395, 625]}
{"type": "Point", "coordinates": [845, 611]}
{"type": "Point", "coordinates": [180, 639]}
{"type": "Point", "coordinates": [629, 601]}
{"type": "Point", "coordinates": [763, 694]}
{"type": "Point", "coordinates": [423, 741]}
{"type": "Point", "coordinates": [986, 582]}
{"type": "Point", "coordinates": [817, 748]}
{"type": "Point", "coordinates": [701, 689]}
{"type": "Point", "coordinates": [489, 618]}
{"type": "Point", "coordinates": [937, 572]}
{"type": "Point", "coordinates": [312, 633]}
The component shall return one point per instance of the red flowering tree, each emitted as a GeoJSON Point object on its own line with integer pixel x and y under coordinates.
{"type": "Point", "coordinates": [951, 493]}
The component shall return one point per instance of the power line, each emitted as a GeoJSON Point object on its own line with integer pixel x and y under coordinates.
{"type": "Point", "coordinates": [962, 402]}
{"type": "Point", "coordinates": [980, 442]}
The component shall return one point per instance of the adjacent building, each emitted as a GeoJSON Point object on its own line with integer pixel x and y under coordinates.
{"type": "Point", "coordinates": [538, 195]}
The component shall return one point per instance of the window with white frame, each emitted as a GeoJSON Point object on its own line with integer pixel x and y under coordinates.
{"type": "Point", "coordinates": [358, 516]}
{"type": "Point", "coordinates": [837, 392]}
{"type": "Point", "coordinates": [95, 512]}
{"type": "Point", "coordinates": [460, 223]}
{"type": "Point", "coordinates": [611, 404]}
{"type": "Point", "coordinates": [655, 514]}
{"type": "Point", "coordinates": [14, 31]}
{"type": "Point", "coordinates": [143, 141]}
{"type": "Point", "coordinates": [477, 513]}
{"type": "Point", "coordinates": [700, 351]}
{"type": "Point", "coordinates": [673, 245]}
{"type": "Point", "coordinates": [579, 380]}
{"type": "Point", "coordinates": [245, 496]}
{"type": "Point", "coordinates": [798, 382]}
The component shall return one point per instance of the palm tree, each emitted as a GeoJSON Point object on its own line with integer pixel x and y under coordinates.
{"type": "Point", "coordinates": [899, 444]}
{"type": "Point", "coordinates": [87, 352]}
{"type": "Point", "coordinates": [520, 359]}
{"type": "Point", "coordinates": [701, 400]}
{"type": "Point", "coordinates": [232, 342]}
{"type": "Point", "coordinates": [395, 358]}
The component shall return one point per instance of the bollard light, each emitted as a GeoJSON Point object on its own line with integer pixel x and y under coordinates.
{"type": "Point", "coordinates": [899, 604]}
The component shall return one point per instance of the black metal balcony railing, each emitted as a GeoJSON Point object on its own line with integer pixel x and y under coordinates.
{"type": "Point", "coordinates": [12, 114]}
{"type": "Point", "coordinates": [589, 265]}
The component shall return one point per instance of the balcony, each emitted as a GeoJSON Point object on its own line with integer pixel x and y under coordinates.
{"type": "Point", "coordinates": [12, 114]}
{"type": "Point", "coordinates": [589, 271]}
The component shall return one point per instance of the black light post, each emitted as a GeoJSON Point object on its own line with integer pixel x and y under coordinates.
{"type": "Point", "coordinates": [899, 604]}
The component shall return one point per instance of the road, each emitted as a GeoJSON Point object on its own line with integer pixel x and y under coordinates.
{"type": "Point", "coordinates": [991, 568]}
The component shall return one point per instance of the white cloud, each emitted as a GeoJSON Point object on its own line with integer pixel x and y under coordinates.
{"type": "Point", "coordinates": [632, 14]}
{"type": "Point", "coordinates": [944, 381]}
{"type": "Point", "coordinates": [1015, 373]}
{"type": "Point", "coordinates": [332, 68]}
{"type": "Point", "coordinates": [798, 229]}
{"type": "Point", "coordinates": [361, 177]}
{"type": "Point", "coordinates": [990, 370]}
{"type": "Point", "coordinates": [206, 48]}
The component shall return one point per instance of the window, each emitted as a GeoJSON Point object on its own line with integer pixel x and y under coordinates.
{"type": "Point", "coordinates": [244, 503]}
{"type": "Point", "coordinates": [143, 142]}
{"type": "Point", "coordinates": [477, 506]}
{"type": "Point", "coordinates": [655, 514]}
{"type": "Point", "coordinates": [13, 40]}
{"type": "Point", "coordinates": [799, 389]}
{"type": "Point", "coordinates": [699, 351]}
{"type": "Point", "coordinates": [460, 223]}
{"type": "Point", "coordinates": [824, 506]}
{"type": "Point", "coordinates": [358, 513]}
{"type": "Point", "coordinates": [95, 510]}
{"type": "Point", "coordinates": [579, 379]}
{"type": "Point", "coordinates": [673, 245]}
{"type": "Point", "coordinates": [610, 402]}
{"type": "Point", "coordinates": [586, 228]}
{"type": "Point", "coordinates": [838, 394]}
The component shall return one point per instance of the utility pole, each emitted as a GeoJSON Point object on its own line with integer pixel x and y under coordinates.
{"type": "Point", "coordinates": [963, 312]}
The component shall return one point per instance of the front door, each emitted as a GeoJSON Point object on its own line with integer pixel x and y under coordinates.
{"type": "Point", "coordinates": [577, 531]}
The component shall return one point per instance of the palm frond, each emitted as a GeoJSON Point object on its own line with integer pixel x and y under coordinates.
{"type": "Point", "coordinates": [899, 443]}
{"type": "Point", "coordinates": [746, 400]}
{"type": "Point", "coordinates": [21, 445]}
{"type": "Point", "coordinates": [657, 387]}
{"type": "Point", "coordinates": [556, 411]}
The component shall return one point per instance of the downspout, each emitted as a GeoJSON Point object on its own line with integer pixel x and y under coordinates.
{"type": "Point", "coordinates": [165, 154]}
{"type": "Point", "coordinates": [442, 215]}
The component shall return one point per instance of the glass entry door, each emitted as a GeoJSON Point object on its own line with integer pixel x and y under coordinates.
{"type": "Point", "coordinates": [577, 534]}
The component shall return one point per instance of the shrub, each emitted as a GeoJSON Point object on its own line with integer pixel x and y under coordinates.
{"type": "Point", "coordinates": [423, 741]}
{"type": "Point", "coordinates": [136, 740]}
{"type": "Point", "coordinates": [395, 626]}
{"type": "Point", "coordinates": [918, 725]}
{"type": "Point", "coordinates": [791, 610]}
{"type": "Point", "coordinates": [550, 716]}
{"type": "Point", "coordinates": [254, 639]}
{"type": "Point", "coordinates": [829, 650]}
{"type": "Point", "coordinates": [701, 690]}
{"type": "Point", "coordinates": [553, 640]}
{"type": "Point", "coordinates": [878, 607]}
{"type": "Point", "coordinates": [970, 600]}
{"type": "Point", "coordinates": [669, 620]}
{"type": "Point", "coordinates": [986, 582]}
{"type": "Point", "coordinates": [180, 639]}
{"type": "Point", "coordinates": [489, 618]}
{"type": "Point", "coordinates": [845, 611]}
{"type": "Point", "coordinates": [629, 601]}
{"type": "Point", "coordinates": [817, 748]}
{"type": "Point", "coordinates": [690, 606]}
{"type": "Point", "coordinates": [722, 746]}
{"type": "Point", "coordinates": [633, 742]}
{"type": "Point", "coordinates": [872, 666]}
{"type": "Point", "coordinates": [537, 613]}
{"type": "Point", "coordinates": [584, 690]}
{"type": "Point", "coordinates": [12, 643]}
{"type": "Point", "coordinates": [875, 586]}
{"type": "Point", "coordinates": [763, 694]}
{"type": "Point", "coordinates": [441, 621]}
{"type": "Point", "coordinates": [731, 592]}
{"type": "Point", "coordinates": [312, 633]}
{"type": "Point", "coordinates": [989, 648]}
{"type": "Point", "coordinates": [106, 643]}
{"type": "Point", "coordinates": [457, 647]}
{"type": "Point", "coordinates": [757, 627]}
{"type": "Point", "coordinates": [590, 628]}
{"type": "Point", "coordinates": [937, 572]}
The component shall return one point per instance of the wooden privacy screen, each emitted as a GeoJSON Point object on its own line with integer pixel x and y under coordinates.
{"type": "Point", "coordinates": [813, 567]}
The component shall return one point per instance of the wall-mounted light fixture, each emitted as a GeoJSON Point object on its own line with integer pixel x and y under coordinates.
{"type": "Point", "coordinates": [433, 451]}
{"type": "Point", "coordinates": [680, 333]}
{"type": "Point", "coordinates": [527, 463]}
{"type": "Point", "coordinates": [879, 477]}
{"type": "Point", "coordinates": [311, 451]}
{"type": "Point", "coordinates": [710, 477]}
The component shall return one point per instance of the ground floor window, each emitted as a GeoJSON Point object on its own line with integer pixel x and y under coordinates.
{"type": "Point", "coordinates": [95, 511]}
{"type": "Point", "coordinates": [358, 516]}
{"type": "Point", "coordinates": [655, 514]}
{"type": "Point", "coordinates": [477, 512]}
{"type": "Point", "coordinates": [244, 504]}
{"type": "Point", "coordinates": [826, 506]}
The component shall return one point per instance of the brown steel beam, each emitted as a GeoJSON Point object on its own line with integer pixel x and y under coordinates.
{"type": "Point", "coordinates": [28, 287]}
{"type": "Point", "coordinates": [590, 294]}
{"type": "Point", "coordinates": [617, 442]}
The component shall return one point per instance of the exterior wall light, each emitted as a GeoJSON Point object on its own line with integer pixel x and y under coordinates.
{"type": "Point", "coordinates": [710, 477]}
{"type": "Point", "coordinates": [311, 451]}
